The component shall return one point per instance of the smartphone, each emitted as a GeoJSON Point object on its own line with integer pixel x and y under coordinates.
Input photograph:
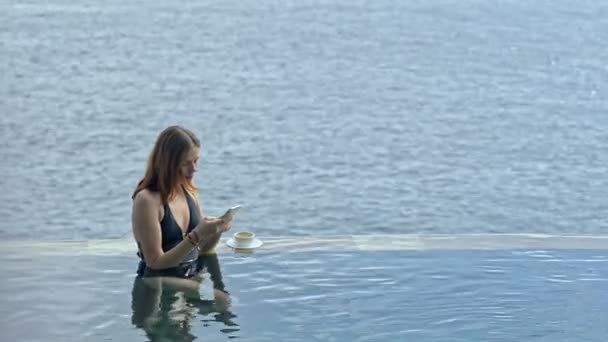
{"type": "Point", "coordinates": [232, 211]}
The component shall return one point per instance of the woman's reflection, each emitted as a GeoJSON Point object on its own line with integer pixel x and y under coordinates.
{"type": "Point", "coordinates": [166, 308]}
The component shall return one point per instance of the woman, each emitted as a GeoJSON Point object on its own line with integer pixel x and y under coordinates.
{"type": "Point", "coordinates": [174, 238]}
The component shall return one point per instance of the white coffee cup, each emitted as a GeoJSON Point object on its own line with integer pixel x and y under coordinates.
{"type": "Point", "coordinates": [244, 240]}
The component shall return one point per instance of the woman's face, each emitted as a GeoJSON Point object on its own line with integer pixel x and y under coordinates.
{"type": "Point", "coordinates": [189, 164]}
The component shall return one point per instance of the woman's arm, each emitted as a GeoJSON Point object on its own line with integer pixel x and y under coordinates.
{"type": "Point", "coordinates": [210, 243]}
{"type": "Point", "coordinates": [147, 231]}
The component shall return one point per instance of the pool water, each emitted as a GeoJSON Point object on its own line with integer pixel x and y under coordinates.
{"type": "Point", "coordinates": [324, 292]}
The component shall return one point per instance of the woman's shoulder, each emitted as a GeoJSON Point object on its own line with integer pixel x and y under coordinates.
{"type": "Point", "coordinates": [146, 210]}
{"type": "Point", "coordinates": [147, 197]}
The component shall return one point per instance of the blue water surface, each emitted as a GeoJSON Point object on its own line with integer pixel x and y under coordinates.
{"type": "Point", "coordinates": [325, 295]}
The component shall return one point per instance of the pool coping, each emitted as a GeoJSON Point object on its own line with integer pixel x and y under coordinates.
{"type": "Point", "coordinates": [294, 244]}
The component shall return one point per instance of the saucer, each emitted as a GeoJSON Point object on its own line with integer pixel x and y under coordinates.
{"type": "Point", "coordinates": [255, 243]}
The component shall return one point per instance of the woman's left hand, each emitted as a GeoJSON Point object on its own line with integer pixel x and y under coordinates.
{"type": "Point", "coordinates": [224, 227]}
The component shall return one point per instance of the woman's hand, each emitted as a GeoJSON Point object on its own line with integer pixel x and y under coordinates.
{"type": "Point", "coordinates": [224, 225]}
{"type": "Point", "coordinates": [209, 240]}
{"type": "Point", "coordinates": [209, 226]}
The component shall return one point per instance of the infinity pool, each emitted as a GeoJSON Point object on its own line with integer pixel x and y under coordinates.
{"type": "Point", "coordinates": [381, 289]}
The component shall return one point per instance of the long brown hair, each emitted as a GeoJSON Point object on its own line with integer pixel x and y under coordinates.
{"type": "Point", "coordinates": [162, 172]}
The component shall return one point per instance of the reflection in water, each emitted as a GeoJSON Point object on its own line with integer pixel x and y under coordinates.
{"type": "Point", "coordinates": [166, 308]}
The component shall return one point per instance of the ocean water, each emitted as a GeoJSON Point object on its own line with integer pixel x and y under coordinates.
{"type": "Point", "coordinates": [319, 117]}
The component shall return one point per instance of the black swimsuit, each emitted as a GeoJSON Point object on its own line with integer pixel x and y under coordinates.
{"type": "Point", "coordinates": [171, 236]}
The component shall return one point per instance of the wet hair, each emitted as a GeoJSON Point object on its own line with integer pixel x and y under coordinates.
{"type": "Point", "coordinates": [162, 172]}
